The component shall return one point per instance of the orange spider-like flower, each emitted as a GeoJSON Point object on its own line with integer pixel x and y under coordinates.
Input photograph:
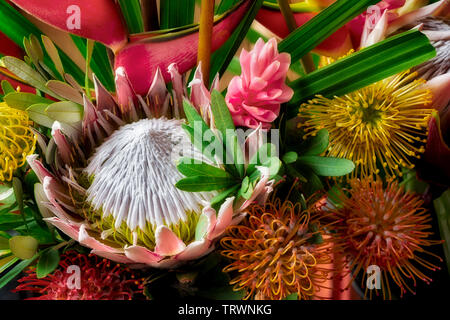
{"type": "Point", "coordinates": [386, 228]}
{"type": "Point", "coordinates": [277, 251]}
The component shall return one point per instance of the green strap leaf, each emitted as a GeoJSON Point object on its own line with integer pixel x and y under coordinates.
{"type": "Point", "coordinates": [225, 125]}
{"type": "Point", "coordinates": [175, 13]}
{"type": "Point", "coordinates": [363, 68]}
{"type": "Point", "coordinates": [65, 111]}
{"type": "Point", "coordinates": [312, 33]}
{"type": "Point", "coordinates": [131, 10]}
{"type": "Point", "coordinates": [15, 271]}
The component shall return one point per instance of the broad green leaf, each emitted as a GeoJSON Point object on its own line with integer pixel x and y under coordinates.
{"type": "Point", "coordinates": [442, 207]}
{"type": "Point", "coordinates": [65, 111]}
{"type": "Point", "coordinates": [131, 10]}
{"type": "Point", "coordinates": [190, 168]}
{"type": "Point", "coordinates": [37, 113]}
{"type": "Point", "coordinates": [328, 167]}
{"type": "Point", "coordinates": [224, 124]}
{"type": "Point", "coordinates": [363, 68]}
{"type": "Point", "coordinates": [316, 144]}
{"type": "Point", "coordinates": [323, 25]}
{"type": "Point", "coordinates": [204, 183]}
{"type": "Point", "coordinates": [23, 100]}
{"type": "Point", "coordinates": [47, 263]}
{"type": "Point", "coordinates": [15, 271]}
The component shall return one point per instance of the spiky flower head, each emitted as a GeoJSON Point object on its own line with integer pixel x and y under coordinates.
{"type": "Point", "coordinates": [112, 180]}
{"type": "Point", "coordinates": [384, 227]}
{"type": "Point", "coordinates": [83, 277]}
{"type": "Point", "coordinates": [277, 251]}
{"type": "Point", "coordinates": [381, 127]}
{"type": "Point", "coordinates": [17, 141]}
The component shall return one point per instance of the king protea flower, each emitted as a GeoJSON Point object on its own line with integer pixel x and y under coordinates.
{"type": "Point", "coordinates": [17, 141]}
{"type": "Point", "coordinates": [99, 279]}
{"type": "Point", "coordinates": [255, 97]}
{"type": "Point", "coordinates": [110, 179]}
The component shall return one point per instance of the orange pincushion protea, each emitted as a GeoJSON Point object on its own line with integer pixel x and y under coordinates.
{"type": "Point", "coordinates": [387, 228]}
{"type": "Point", "coordinates": [277, 251]}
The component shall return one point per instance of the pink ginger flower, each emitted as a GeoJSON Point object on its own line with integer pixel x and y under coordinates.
{"type": "Point", "coordinates": [255, 97]}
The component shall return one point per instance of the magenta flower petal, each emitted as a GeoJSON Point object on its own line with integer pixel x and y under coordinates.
{"type": "Point", "coordinates": [99, 20]}
{"type": "Point", "coordinates": [142, 59]}
{"type": "Point", "coordinates": [255, 97]}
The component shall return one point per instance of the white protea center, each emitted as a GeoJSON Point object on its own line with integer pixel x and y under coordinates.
{"type": "Point", "coordinates": [134, 172]}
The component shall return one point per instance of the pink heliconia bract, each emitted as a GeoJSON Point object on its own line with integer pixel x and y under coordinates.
{"type": "Point", "coordinates": [255, 97]}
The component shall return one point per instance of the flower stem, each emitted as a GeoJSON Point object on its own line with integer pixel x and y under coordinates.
{"type": "Point", "coordinates": [205, 37]}
{"type": "Point", "coordinates": [307, 60]}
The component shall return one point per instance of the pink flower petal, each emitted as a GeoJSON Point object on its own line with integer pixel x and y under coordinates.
{"type": "Point", "coordinates": [117, 257]}
{"type": "Point", "coordinates": [195, 250]}
{"type": "Point", "coordinates": [224, 218]}
{"type": "Point", "coordinates": [69, 229]}
{"type": "Point", "coordinates": [142, 255]}
{"type": "Point", "coordinates": [167, 242]}
{"type": "Point", "coordinates": [85, 239]}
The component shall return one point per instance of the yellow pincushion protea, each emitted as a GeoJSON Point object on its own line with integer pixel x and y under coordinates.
{"type": "Point", "coordinates": [379, 127]}
{"type": "Point", "coordinates": [17, 141]}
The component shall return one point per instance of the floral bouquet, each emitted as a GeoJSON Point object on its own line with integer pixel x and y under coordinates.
{"type": "Point", "coordinates": [233, 149]}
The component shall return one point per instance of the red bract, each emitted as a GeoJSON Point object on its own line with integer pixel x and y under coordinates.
{"type": "Point", "coordinates": [101, 20]}
{"type": "Point", "coordinates": [100, 279]}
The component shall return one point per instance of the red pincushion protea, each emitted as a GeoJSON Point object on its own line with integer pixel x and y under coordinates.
{"type": "Point", "coordinates": [100, 279]}
{"type": "Point", "coordinates": [388, 228]}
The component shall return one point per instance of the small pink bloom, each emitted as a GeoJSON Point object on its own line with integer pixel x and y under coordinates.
{"type": "Point", "coordinates": [255, 97]}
